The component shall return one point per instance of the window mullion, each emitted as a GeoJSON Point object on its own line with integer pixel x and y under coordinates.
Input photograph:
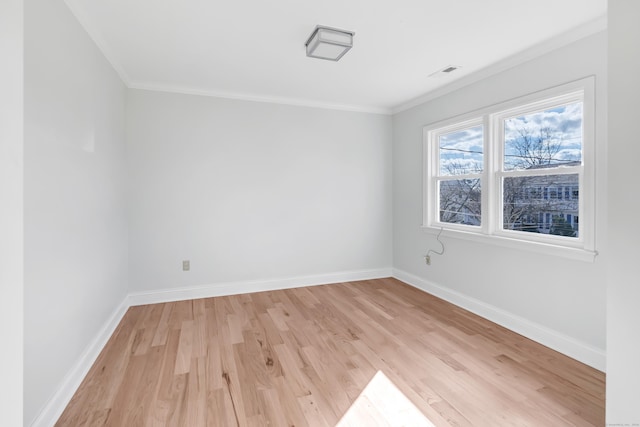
{"type": "Point", "coordinates": [522, 179]}
{"type": "Point", "coordinates": [489, 222]}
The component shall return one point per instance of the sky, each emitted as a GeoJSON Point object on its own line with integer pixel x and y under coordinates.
{"type": "Point", "coordinates": [565, 129]}
{"type": "Point", "coordinates": [461, 152]}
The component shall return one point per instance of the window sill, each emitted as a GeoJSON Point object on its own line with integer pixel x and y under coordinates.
{"type": "Point", "coordinates": [578, 254]}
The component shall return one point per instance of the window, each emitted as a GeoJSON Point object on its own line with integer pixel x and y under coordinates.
{"type": "Point", "coordinates": [459, 171]}
{"type": "Point", "coordinates": [519, 173]}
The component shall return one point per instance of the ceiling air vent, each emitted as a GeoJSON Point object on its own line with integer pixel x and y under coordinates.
{"type": "Point", "coordinates": [445, 71]}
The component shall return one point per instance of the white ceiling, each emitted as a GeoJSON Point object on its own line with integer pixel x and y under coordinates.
{"type": "Point", "coordinates": [254, 49]}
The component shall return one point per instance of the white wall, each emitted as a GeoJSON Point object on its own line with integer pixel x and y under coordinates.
{"type": "Point", "coordinates": [11, 211]}
{"type": "Point", "coordinates": [253, 191]}
{"type": "Point", "coordinates": [75, 235]}
{"type": "Point", "coordinates": [564, 299]}
{"type": "Point", "coordinates": [623, 298]}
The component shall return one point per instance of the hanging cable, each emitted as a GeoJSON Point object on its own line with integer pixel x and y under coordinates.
{"type": "Point", "coordinates": [427, 257]}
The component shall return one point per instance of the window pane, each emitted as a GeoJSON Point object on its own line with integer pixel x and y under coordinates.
{"type": "Point", "coordinates": [460, 152]}
{"type": "Point", "coordinates": [532, 204]}
{"type": "Point", "coordinates": [460, 201]}
{"type": "Point", "coordinates": [548, 138]}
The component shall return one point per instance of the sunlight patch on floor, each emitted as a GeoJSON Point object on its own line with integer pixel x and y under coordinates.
{"type": "Point", "coordinates": [381, 403]}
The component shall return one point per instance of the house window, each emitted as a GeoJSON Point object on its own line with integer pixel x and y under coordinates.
{"type": "Point", "coordinates": [574, 192]}
{"type": "Point", "coordinates": [520, 171]}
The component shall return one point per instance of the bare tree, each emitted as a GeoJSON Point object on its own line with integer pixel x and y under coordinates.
{"type": "Point", "coordinates": [525, 199]}
{"type": "Point", "coordinates": [460, 199]}
{"type": "Point", "coordinates": [516, 214]}
{"type": "Point", "coordinates": [534, 149]}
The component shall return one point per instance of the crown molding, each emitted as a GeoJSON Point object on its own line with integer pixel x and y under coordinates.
{"type": "Point", "coordinates": [595, 26]}
{"type": "Point", "coordinates": [91, 28]}
{"type": "Point", "coordinates": [299, 102]}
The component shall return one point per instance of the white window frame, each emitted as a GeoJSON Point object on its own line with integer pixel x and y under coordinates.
{"type": "Point", "coordinates": [492, 119]}
{"type": "Point", "coordinates": [432, 209]}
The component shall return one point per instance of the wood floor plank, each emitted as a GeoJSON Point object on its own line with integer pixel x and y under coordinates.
{"type": "Point", "coordinates": [160, 336]}
{"type": "Point", "coordinates": [185, 348]}
{"type": "Point", "coordinates": [166, 374]}
{"type": "Point", "coordinates": [231, 381]}
{"type": "Point", "coordinates": [200, 329]}
{"type": "Point", "coordinates": [196, 413]}
{"type": "Point", "coordinates": [308, 356]}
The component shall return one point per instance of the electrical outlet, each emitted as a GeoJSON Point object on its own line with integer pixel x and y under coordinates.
{"type": "Point", "coordinates": [427, 259]}
{"type": "Point", "coordinates": [186, 265]}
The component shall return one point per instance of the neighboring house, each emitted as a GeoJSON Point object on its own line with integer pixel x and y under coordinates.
{"type": "Point", "coordinates": [547, 204]}
{"type": "Point", "coordinates": [544, 204]}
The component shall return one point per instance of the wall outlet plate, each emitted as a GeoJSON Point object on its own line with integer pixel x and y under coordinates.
{"type": "Point", "coordinates": [186, 265]}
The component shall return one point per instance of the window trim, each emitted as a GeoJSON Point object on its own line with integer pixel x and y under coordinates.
{"type": "Point", "coordinates": [492, 119]}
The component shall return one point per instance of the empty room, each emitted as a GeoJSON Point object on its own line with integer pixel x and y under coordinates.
{"type": "Point", "coordinates": [410, 213]}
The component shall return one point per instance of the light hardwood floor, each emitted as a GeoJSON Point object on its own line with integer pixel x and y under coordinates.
{"type": "Point", "coordinates": [303, 357]}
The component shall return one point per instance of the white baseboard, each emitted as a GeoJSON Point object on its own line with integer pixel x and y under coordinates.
{"type": "Point", "coordinates": [585, 353]}
{"type": "Point", "coordinates": [55, 406]}
{"type": "Point", "coordinates": [61, 398]}
{"type": "Point", "coordinates": [235, 288]}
